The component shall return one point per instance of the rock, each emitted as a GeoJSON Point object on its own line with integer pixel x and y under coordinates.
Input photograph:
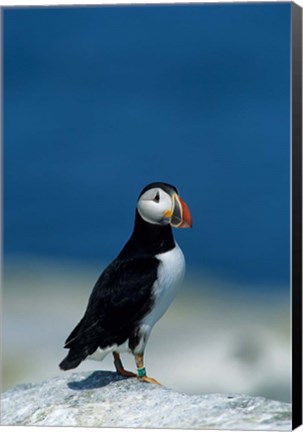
{"type": "Point", "coordinates": [104, 399]}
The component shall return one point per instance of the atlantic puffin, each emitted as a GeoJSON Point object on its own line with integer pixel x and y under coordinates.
{"type": "Point", "coordinates": [136, 289]}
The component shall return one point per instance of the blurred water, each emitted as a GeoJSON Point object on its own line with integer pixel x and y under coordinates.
{"type": "Point", "coordinates": [214, 338]}
{"type": "Point", "coordinates": [100, 101]}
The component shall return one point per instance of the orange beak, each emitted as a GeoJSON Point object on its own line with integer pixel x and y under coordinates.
{"type": "Point", "coordinates": [181, 217]}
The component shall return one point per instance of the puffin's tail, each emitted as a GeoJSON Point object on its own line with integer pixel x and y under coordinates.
{"type": "Point", "coordinates": [76, 355]}
{"type": "Point", "coordinates": [81, 343]}
{"type": "Point", "coordinates": [71, 361]}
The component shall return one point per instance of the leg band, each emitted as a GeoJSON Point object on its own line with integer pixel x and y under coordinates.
{"type": "Point", "coordinates": [141, 372]}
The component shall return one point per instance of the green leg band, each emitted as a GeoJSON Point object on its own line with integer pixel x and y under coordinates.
{"type": "Point", "coordinates": [141, 372]}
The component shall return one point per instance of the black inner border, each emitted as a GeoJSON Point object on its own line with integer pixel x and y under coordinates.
{"type": "Point", "coordinates": [296, 215]}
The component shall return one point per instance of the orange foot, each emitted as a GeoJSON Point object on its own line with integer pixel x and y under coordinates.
{"type": "Point", "coordinates": [149, 380]}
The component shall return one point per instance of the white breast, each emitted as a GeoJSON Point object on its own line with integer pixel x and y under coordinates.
{"type": "Point", "coordinates": [170, 273]}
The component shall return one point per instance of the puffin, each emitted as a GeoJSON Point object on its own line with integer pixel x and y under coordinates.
{"type": "Point", "coordinates": [136, 288]}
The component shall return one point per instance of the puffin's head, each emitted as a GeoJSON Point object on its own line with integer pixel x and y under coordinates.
{"type": "Point", "coordinates": [160, 204]}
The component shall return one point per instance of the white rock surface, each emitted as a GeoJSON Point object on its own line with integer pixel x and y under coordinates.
{"type": "Point", "coordinates": [103, 399]}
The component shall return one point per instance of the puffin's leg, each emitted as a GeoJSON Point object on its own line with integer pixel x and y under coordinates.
{"type": "Point", "coordinates": [142, 372]}
{"type": "Point", "coordinates": [119, 366]}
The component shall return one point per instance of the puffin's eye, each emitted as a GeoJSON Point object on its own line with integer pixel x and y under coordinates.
{"type": "Point", "coordinates": [157, 197]}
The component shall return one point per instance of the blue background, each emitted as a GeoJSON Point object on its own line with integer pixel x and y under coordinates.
{"type": "Point", "coordinates": [100, 101]}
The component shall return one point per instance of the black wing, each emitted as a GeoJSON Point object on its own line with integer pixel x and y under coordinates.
{"type": "Point", "coordinates": [121, 297]}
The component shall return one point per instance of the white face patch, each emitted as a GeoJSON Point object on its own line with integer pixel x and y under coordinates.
{"type": "Point", "coordinates": [152, 205]}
